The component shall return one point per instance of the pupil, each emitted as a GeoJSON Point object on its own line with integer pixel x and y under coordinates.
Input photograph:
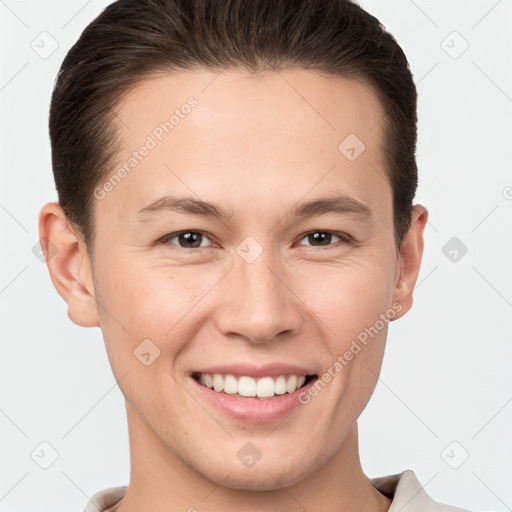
{"type": "Point", "coordinates": [321, 237]}
{"type": "Point", "coordinates": [190, 239]}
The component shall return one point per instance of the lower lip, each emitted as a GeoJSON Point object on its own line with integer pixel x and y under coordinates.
{"type": "Point", "coordinates": [252, 409]}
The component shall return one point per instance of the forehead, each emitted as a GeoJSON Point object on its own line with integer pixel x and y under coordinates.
{"type": "Point", "coordinates": [273, 98]}
{"type": "Point", "coordinates": [229, 130]}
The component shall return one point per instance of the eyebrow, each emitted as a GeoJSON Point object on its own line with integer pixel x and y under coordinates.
{"type": "Point", "coordinates": [187, 205]}
{"type": "Point", "coordinates": [340, 204]}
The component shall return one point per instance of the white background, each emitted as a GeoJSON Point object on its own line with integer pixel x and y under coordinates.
{"type": "Point", "coordinates": [446, 373]}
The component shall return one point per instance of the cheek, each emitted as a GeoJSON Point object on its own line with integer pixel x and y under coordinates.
{"type": "Point", "coordinates": [149, 316]}
{"type": "Point", "coordinates": [349, 297]}
{"type": "Point", "coordinates": [354, 305]}
{"type": "Point", "coordinates": [154, 302]}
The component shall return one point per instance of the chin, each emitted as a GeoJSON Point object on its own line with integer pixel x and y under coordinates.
{"type": "Point", "coordinates": [260, 477]}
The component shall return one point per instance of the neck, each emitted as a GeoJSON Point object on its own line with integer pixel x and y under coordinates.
{"type": "Point", "coordinates": [161, 481]}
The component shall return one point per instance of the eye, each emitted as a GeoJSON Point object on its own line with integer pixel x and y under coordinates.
{"type": "Point", "coordinates": [186, 239]}
{"type": "Point", "coordinates": [199, 239]}
{"type": "Point", "coordinates": [324, 238]}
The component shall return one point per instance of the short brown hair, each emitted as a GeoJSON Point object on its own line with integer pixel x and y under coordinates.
{"type": "Point", "coordinates": [133, 39]}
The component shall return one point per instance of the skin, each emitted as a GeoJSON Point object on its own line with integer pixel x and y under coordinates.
{"type": "Point", "coordinates": [257, 146]}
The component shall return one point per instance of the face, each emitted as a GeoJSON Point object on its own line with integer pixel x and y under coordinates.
{"type": "Point", "coordinates": [253, 237]}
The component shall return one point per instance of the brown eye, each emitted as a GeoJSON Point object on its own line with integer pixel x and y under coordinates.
{"type": "Point", "coordinates": [186, 239]}
{"type": "Point", "coordinates": [323, 238]}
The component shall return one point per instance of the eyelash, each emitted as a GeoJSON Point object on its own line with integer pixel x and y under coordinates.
{"type": "Point", "coordinates": [344, 238]}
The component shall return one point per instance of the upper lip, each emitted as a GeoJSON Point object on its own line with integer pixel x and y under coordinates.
{"type": "Point", "coordinates": [270, 370]}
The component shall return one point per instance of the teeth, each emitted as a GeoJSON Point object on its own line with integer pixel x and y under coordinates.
{"type": "Point", "coordinates": [230, 385]}
{"type": "Point", "coordinates": [291, 383]}
{"type": "Point", "coordinates": [263, 387]}
{"type": "Point", "coordinates": [246, 386]}
{"type": "Point", "coordinates": [218, 382]}
{"type": "Point", "coordinates": [280, 385]}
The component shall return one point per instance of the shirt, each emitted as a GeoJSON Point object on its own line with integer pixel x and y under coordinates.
{"type": "Point", "coordinates": [403, 489]}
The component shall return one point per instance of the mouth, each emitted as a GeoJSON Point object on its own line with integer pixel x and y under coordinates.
{"type": "Point", "coordinates": [247, 387]}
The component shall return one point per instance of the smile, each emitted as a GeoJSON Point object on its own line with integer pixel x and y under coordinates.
{"type": "Point", "coordinates": [251, 393]}
{"type": "Point", "coordinates": [244, 386]}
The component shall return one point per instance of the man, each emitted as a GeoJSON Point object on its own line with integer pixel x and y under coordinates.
{"type": "Point", "coordinates": [235, 212]}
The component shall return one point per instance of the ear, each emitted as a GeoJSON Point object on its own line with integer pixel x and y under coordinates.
{"type": "Point", "coordinates": [69, 265]}
{"type": "Point", "coordinates": [409, 260]}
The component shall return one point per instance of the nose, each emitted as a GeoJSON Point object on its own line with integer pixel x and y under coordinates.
{"type": "Point", "coordinates": [258, 303]}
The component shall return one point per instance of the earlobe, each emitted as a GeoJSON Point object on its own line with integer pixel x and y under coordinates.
{"type": "Point", "coordinates": [409, 260]}
{"type": "Point", "coordinates": [69, 265]}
